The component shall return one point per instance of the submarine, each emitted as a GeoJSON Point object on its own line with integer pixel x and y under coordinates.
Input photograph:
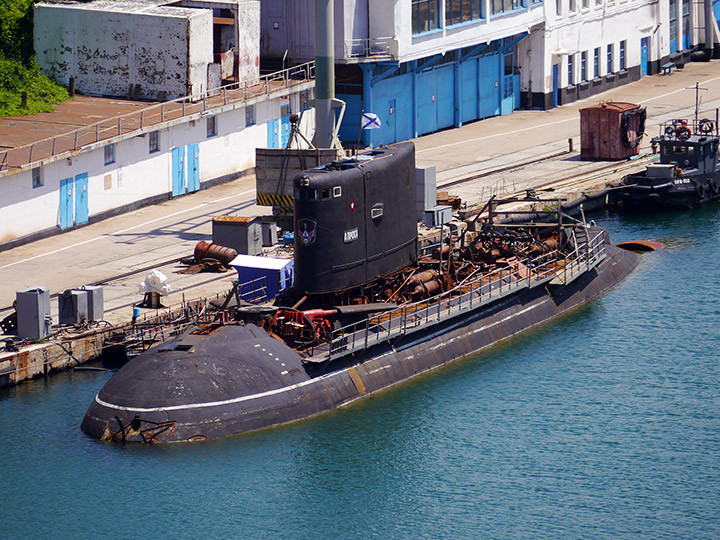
{"type": "Point", "coordinates": [376, 301]}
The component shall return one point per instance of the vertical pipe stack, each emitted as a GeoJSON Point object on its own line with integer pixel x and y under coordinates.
{"type": "Point", "coordinates": [324, 72]}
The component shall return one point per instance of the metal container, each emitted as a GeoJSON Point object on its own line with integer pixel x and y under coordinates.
{"type": "Point", "coordinates": [33, 313]}
{"type": "Point", "coordinates": [611, 131]}
{"type": "Point", "coordinates": [243, 234]}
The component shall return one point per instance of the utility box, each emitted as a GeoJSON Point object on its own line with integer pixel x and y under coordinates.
{"type": "Point", "coordinates": [72, 307]}
{"type": "Point", "coordinates": [243, 234]}
{"type": "Point", "coordinates": [33, 313]}
{"type": "Point", "coordinates": [426, 190]}
{"type": "Point", "coordinates": [95, 302]}
{"type": "Point", "coordinates": [269, 231]}
{"type": "Point", "coordinates": [611, 131]}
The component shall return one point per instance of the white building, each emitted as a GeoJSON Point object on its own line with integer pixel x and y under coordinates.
{"type": "Point", "coordinates": [166, 151]}
{"type": "Point", "coordinates": [425, 65]}
{"type": "Point", "coordinates": [148, 49]}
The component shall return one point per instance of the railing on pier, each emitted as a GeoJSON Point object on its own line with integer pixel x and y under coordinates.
{"type": "Point", "coordinates": [137, 121]}
{"type": "Point", "coordinates": [465, 297]}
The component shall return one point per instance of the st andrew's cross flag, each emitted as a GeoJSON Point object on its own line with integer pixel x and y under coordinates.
{"type": "Point", "coordinates": [370, 121]}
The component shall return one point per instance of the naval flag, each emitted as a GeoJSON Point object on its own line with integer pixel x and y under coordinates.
{"type": "Point", "coordinates": [370, 121]}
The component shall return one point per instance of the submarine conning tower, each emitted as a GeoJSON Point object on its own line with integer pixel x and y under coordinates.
{"type": "Point", "coordinates": [355, 219]}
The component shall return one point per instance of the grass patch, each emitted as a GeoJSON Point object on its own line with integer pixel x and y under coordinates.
{"type": "Point", "coordinates": [16, 78]}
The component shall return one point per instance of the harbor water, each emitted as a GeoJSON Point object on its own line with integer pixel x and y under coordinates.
{"type": "Point", "coordinates": [604, 423]}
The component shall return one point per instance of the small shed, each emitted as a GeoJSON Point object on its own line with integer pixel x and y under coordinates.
{"type": "Point", "coordinates": [611, 131]}
{"type": "Point", "coordinates": [262, 277]}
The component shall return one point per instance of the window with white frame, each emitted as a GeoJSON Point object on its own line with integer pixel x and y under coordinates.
{"type": "Point", "coordinates": [622, 55]}
{"type": "Point", "coordinates": [610, 60]}
{"type": "Point", "coordinates": [571, 70]}
{"type": "Point", "coordinates": [583, 66]}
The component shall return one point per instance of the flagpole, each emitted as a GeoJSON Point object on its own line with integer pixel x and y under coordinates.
{"type": "Point", "coordinates": [362, 112]}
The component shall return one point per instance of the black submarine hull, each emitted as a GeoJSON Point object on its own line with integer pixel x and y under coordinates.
{"type": "Point", "coordinates": [239, 379]}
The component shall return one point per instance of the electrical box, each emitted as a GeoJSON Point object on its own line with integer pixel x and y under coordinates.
{"type": "Point", "coordinates": [33, 313]}
{"type": "Point", "coordinates": [95, 302]}
{"type": "Point", "coordinates": [269, 231]}
{"type": "Point", "coordinates": [243, 234]}
{"type": "Point", "coordinates": [440, 215]}
{"type": "Point", "coordinates": [73, 307]}
{"type": "Point", "coordinates": [426, 190]}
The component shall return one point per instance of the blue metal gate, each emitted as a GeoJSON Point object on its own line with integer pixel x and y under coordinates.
{"type": "Point", "coordinates": [193, 167]}
{"type": "Point", "coordinates": [643, 57]}
{"type": "Point", "coordinates": [178, 171]}
{"type": "Point", "coordinates": [66, 203]}
{"type": "Point", "coordinates": [488, 86]}
{"type": "Point", "coordinates": [468, 90]}
{"type": "Point", "coordinates": [81, 199]}
{"type": "Point", "coordinates": [273, 135]}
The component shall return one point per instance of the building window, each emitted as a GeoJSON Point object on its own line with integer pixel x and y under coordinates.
{"type": "Point", "coordinates": [598, 2]}
{"type": "Point", "coordinates": [425, 15]}
{"type": "Point", "coordinates": [558, 7]}
{"type": "Point", "coordinates": [460, 11]}
{"type": "Point", "coordinates": [622, 55]}
{"type": "Point", "coordinates": [596, 63]}
{"type": "Point", "coordinates": [37, 177]}
{"type": "Point", "coordinates": [154, 142]}
{"type": "Point", "coordinates": [211, 126]}
{"type": "Point", "coordinates": [585, 4]}
{"type": "Point", "coordinates": [498, 7]}
{"type": "Point", "coordinates": [583, 66]}
{"type": "Point", "coordinates": [572, 6]}
{"type": "Point", "coordinates": [571, 79]}
{"type": "Point", "coordinates": [609, 58]}
{"type": "Point", "coordinates": [673, 27]}
{"type": "Point", "coordinates": [250, 115]}
{"type": "Point", "coordinates": [109, 154]}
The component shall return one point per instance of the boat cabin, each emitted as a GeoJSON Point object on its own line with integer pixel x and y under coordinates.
{"type": "Point", "coordinates": [697, 152]}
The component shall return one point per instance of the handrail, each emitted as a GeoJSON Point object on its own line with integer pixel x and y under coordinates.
{"type": "Point", "coordinates": [467, 296]}
{"type": "Point", "coordinates": [156, 114]}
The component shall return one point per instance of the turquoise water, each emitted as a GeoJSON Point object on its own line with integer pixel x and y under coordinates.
{"type": "Point", "coordinates": [602, 424]}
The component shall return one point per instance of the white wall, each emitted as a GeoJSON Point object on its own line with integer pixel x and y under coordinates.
{"type": "Point", "coordinates": [107, 50]}
{"type": "Point", "coordinates": [597, 26]}
{"type": "Point", "coordinates": [137, 174]}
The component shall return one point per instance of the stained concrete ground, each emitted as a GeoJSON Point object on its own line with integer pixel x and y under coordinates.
{"type": "Point", "coordinates": [156, 236]}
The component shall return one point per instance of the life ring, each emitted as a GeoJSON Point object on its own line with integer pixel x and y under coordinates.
{"type": "Point", "coordinates": [706, 126]}
{"type": "Point", "coordinates": [700, 190]}
{"type": "Point", "coordinates": [683, 133]}
{"type": "Point", "coordinates": [713, 186]}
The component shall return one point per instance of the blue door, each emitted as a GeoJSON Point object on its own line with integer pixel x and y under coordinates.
{"type": "Point", "coordinates": [389, 121]}
{"type": "Point", "coordinates": [178, 171]}
{"type": "Point", "coordinates": [284, 125]}
{"type": "Point", "coordinates": [556, 76]}
{"type": "Point", "coordinates": [489, 86]}
{"type": "Point", "coordinates": [445, 80]}
{"type": "Point", "coordinates": [643, 57]}
{"type": "Point", "coordinates": [468, 90]}
{"type": "Point", "coordinates": [66, 203]}
{"type": "Point", "coordinates": [193, 167]}
{"type": "Point", "coordinates": [426, 85]}
{"type": "Point", "coordinates": [81, 199]}
{"type": "Point", "coordinates": [273, 139]}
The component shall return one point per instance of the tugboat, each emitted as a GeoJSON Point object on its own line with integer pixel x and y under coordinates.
{"type": "Point", "coordinates": [376, 301]}
{"type": "Point", "coordinates": [688, 173]}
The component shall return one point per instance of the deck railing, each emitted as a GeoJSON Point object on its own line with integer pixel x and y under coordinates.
{"type": "Point", "coordinates": [464, 297]}
{"type": "Point", "coordinates": [152, 115]}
